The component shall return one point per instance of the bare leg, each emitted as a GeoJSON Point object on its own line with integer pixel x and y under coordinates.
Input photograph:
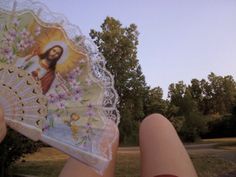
{"type": "Point", "coordinates": [74, 168]}
{"type": "Point", "coordinates": [162, 152]}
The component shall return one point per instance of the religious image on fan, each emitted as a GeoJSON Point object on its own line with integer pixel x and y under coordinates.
{"type": "Point", "coordinates": [46, 82]}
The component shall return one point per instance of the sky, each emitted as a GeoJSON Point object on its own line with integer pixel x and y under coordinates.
{"type": "Point", "coordinates": [178, 40]}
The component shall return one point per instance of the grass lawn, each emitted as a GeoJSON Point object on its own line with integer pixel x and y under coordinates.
{"type": "Point", "coordinates": [127, 164]}
{"type": "Point", "coordinates": [214, 162]}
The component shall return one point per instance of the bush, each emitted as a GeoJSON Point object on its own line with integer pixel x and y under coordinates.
{"type": "Point", "coordinates": [12, 148]}
{"type": "Point", "coordinates": [194, 125]}
{"type": "Point", "coordinates": [222, 127]}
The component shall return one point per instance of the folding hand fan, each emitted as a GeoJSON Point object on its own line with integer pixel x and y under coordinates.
{"type": "Point", "coordinates": [53, 83]}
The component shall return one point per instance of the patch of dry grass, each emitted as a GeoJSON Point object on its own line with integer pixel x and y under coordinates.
{"type": "Point", "coordinates": [212, 166]}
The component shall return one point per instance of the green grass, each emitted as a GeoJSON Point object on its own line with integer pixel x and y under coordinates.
{"type": "Point", "coordinates": [127, 166]}
{"type": "Point", "coordinates": [39, 168]}
{"type": "Point", "coordinates": [48, 162]}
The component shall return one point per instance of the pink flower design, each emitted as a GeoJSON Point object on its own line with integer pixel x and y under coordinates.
{"type": "Point", "coordinates": [77, 97]}
{"type": "Point", "coordinates": [37, 30]}
{"type": "Point", "coordinates": [12, 33]}
{"type": "Point", "coordinates": [15, 22]}
{"type": "Point", "coordinates": [62, 96]}
{"type": "Point", "coordinates": [77, 94]}
{"type": "Point", "coordinates": [89, 81]}
{"type": "Point", "coordinates": [21, 45]}
{"type": "Point", "coordinates": [52, 98]}
{"type": "Point", "coordinates": [30, 41]}
{"type": "Point", "coordinates": [90, 111]}
{"type": "Point", "coordinates": [10, 57]}
{"type": "Point", "coordinates": [77, 71]}
{"type": "Point", "coordinates": [61, 105]}
{"type": "Point", "coordinates": [24, 34]}
{"type": "Point", "coordinates": [8, 39]}
{"type": "Point", "coordinates": [74, 84]}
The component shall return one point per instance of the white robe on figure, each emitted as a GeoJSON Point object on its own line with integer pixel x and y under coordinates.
{"type": "Point", "coordinates": [33, 64]}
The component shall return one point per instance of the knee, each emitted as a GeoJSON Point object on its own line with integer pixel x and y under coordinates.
{"type": "Point", "coordinates": [155, 121]}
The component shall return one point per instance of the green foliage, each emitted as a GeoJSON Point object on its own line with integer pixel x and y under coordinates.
{"type": "Point", "coordinates": [177, 122]}
{"type": "Point", "coordinates": [13, 147]}
{"type": "Point", "coordinates": [219, 94]}
{"type": "Point", "coordinates": [194, 126]}
{"type": "Point", "coordinates": [222, 127]}
{"type": "Point", "coordinates": [200, 100]}
{"type": "Point", "coordinates": [118, 44]}
{"type": "Point", "coordinates": [188, 106]}
{"type": "Point", "coordinates": [154, 102]}
{"type": "Point", "coordinates": [192, 123]}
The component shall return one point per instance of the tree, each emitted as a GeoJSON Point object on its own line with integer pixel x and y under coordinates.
{"type": "Point", "coordinates": [13, 147]}
{"type": "Point", "coordinates": [176, 94]}
{"type": "Point", "coordinates": [119, 46]}
{"type": "Point", "coordinates": [194, 123]}
{"type": "Point", "coordinates": [186, 117]}
{"type": "Point", "coordinates": [196, 92]}
{"type": "Point", "coordinates": [220, 93]}
{"type": "Point", "coordinates": [155, 102]}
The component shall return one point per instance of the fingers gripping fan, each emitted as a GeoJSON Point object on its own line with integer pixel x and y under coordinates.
{"type": "Point", "coordinates": [53, 83]}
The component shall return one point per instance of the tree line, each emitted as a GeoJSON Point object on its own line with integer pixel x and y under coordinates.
{"type": "Point", "coordinates": [203, 108]}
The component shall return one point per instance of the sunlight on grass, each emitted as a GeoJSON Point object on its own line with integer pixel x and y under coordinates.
{"type": "Point", "coordinates": [220, 140]}
{"type": "Point", "coordinates": [128, 165]}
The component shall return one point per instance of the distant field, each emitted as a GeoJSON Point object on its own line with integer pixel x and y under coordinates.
{"type": "Point", "coordinates": [48, 162]}
{"type": "Point", "coordinates": [220, 140]}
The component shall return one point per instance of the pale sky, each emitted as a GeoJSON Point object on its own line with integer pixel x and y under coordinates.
{"type": "Point", "coordinates": [179, 39]}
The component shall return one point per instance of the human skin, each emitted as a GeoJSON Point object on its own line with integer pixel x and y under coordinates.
{"type": "Point", "coordinates": [162, 152]}
{"type": "Point", "coordinates": [54, 53]}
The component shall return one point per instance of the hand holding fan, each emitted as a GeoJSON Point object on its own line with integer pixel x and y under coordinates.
{"type": "Point", "coordinates": [53, 87]}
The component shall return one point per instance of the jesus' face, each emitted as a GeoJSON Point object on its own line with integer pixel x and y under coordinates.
{"type": "Point", "coordinates": [54, 53]}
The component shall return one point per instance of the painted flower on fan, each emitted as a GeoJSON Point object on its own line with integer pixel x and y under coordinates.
{"type": "Point", "coordinates": [77, 71]}
{"type": "Point", "coordinates": [21, 45]}
{"type": "Point", "coordinates": [61, 105]}
{"type": "Point", "coordinates": [71, 76]}
{"type": "Point", "coordinates": [12, 33]}
{"type": "Point", "coordinates": [29, 42]}
{"type": "Point", "coordinates": [62, 96]}
{"type": "Point", "coordinates": [77, 98]}
{"type": "Point", "coordinates": [37, 30]}
{"type": "Point", "coordinates": [24, 34]}
{"type": "Point", "coordinates": [82, 61]}
{"type": "Point", "coordinates": [15, 22]}
{"type": "Point", "coordinates": [52, 98]}
{"type": "Point", "coordinates": [77, 94]}
{"type": "Point", "coordinates": [10, 57]}
{"type": "Point", "coordinates": [74, 73]}
{"type": "Point", "coordinates": [8, 39]}
{"type": "Point", "coordinates": [89, 81]}
{"type": "Point", "coordinates": [6, 51]}
{"type": "Point", "coordinates": [90, 111]}
{"type": "Point", "coordinates": [88, 125]}
{"type": "Point", "coordinates": [74, 84]}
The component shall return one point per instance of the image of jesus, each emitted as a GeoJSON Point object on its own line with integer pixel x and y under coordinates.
{"type": "Point", "coordinates": [42, 66]}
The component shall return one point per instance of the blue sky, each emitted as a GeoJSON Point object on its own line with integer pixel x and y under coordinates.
{"type": "Point", "coordinates": [179, 39]}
